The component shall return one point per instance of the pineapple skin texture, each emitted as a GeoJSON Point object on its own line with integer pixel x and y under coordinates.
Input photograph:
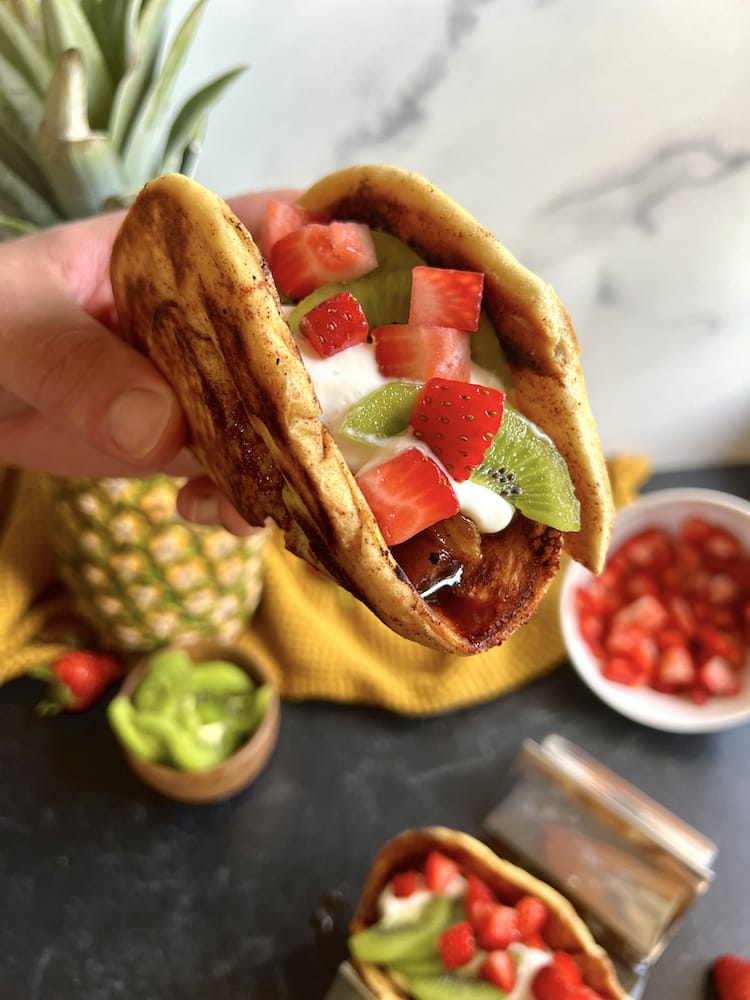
{"type": "Point", "coordinates": [142, 577]}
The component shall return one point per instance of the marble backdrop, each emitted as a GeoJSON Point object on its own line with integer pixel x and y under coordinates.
{"type": "Point", "coordinates": [605, 142]}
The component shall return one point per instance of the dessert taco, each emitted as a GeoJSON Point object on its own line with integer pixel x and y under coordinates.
{"type": "Point", "coordinates": [294, 411]}
{"type": "Point", "coordinates": [441, 915]}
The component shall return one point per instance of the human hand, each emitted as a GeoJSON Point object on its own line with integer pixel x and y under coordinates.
{"type": "Point", "coordinates": [74, 399]}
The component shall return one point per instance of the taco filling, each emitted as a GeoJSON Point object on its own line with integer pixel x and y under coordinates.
{"type": "Point", "coordinates": [412, 384]}
{"type": "Point", "coordinates": [386, 383]}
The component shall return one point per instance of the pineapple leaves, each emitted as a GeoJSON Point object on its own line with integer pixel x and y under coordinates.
{"type": "Point", "coordinates": [26, 206]}
{"type": "Point", "coordinates": [18, 48]}
{"type": "Point", "coordinates": [84, 167]}
{"type": "Point", "coordinates": [143, 149]}
{"type": "Point", "coordinates": [188, 127]}
{"type": "Point", "coordinates": [143, 42]}
{"type": "Point", "coordinates": [65, 28]}
{"type": "Point", "coordinates": [87, 111]}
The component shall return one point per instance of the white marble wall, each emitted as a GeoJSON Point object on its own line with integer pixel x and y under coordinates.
{"type": "Point", "coordinates": [605, 142]}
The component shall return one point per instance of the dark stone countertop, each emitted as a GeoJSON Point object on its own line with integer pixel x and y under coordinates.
{"type": "Point", "coordinates": [109, 891]}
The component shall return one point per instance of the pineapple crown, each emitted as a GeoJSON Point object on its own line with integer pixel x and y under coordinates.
{"type": "Point", "coordinates": [85, 106]}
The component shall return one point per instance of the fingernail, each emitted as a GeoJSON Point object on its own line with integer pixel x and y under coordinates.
{"type": "Point", "coordinates": [202, 509]}
{"type": "Point", "coordinates": [138, 418]}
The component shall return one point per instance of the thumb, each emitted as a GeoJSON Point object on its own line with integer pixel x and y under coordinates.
{"type": "Point", "coordinates": [61, 362]}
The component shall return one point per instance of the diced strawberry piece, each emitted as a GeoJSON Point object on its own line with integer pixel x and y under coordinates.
{"type": "Point", "coordinates": [721, 544]}
{"type": "Point", "coordinates": [718, 678]}
{"type": "Point", "coordinates": [478, 900]}
{"type": "Point", "coordinates": [567, 968]}
{"type": "Point", "coordinates": [714, 642]}
{"type": "Point", "coordinates": [532, 915]}
{"type": "Point", "coordinates": [651, 548]}
{"type": "Point", "coordinates": [534, 941]}
{"type": "Point", "coordinates": [681, 613]}
{"type": "Point", "coordinates": [407, 493]}
{"type": "Point", "coordinates": [694, 530]}
{"type": "Point", "coordinates": [647, 613]}
{"type": "Point", "coordinates": [499, 928]}
{"type": "Point", "coordinates": [457, 945]}
{"type": "Point", "coordinates": [280, 219]}
{"type": "Point", "coordinates": [640, 582]}
{"type": "Point", "coordinates": [404, 884]}
{"type": "Point", "coordinates": [676, 668]}
{"type": "Point", "coordinates": [722, 589]}
{"type": "Point", "coordinates": [457, 421]}
{"type": "Point", "coordinates": [499, 968]}
{"type": "Point", "coordinates": [335, 324]}
{"type": "Point", "coordinates": [420, 352]}
{"type": "Point", "coordinates": [634, 643]}
{"type": "Point", "coordinates": [443, 297]}
{"type": "Point", "coordinates": [316, 255]}
{"type": "Point", "coordinates": [439, 871]}
{"type": "Point", "coordinates": [549, 983]}
{"type": "Point", "coordinates": [621, 670]}
{"type": "Point", "coordinates": [591, 627]}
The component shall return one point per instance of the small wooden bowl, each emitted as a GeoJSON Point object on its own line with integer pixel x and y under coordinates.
{"type": "Point", "coordinates": [233, 774]}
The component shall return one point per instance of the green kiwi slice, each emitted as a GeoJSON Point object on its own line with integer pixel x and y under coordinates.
{"type": "Point", "coordinates": [523, 465]}
{"type": "Point", "coordinates": [451, 987]}
{"type": "Point", "coordinates": [384, 294]}
{"type": "Point", "coordinates": [381, 414]}
{"type": "Point", "coordinates": [413, 939]}
{"type": "Point", "coordinates": [419, 968]}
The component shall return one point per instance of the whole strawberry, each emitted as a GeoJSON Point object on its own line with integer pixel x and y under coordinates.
{"type": "Point", "coordinates": [731, 975]}
{"type": "Point", "coordinates": [77, 680]}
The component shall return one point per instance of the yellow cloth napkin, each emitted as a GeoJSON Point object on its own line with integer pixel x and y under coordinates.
{"type": "Point", "coordinates": [315, 639]}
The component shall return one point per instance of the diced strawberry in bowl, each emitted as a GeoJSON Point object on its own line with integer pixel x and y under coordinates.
{"type": "Point", "coordinates": [660, 634]}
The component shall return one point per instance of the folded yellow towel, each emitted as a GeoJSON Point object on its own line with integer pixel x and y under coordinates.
{"type": "Point", "coordinates": [315, 639]}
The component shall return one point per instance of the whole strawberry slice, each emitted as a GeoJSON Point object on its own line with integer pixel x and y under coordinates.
{"type": "Point", "coordinates": [77, 680]}
{"type": "Point", "coordinates": [731, 976]}
{"type": "Point", "coordinates": [406, 494]}
{"type": "Point", "coordinates": [457, 421]}
{"type": "Point", "coordinates": [335, 324]}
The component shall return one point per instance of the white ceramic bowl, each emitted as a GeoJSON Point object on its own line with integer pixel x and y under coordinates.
{"type": "Point", "coordinates": [663, 509]}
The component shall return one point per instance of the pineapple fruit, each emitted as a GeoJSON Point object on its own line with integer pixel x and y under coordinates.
{"type": "Point", "coordinates": [143, 578]}
{"type": "Point", "coordinates": [86, 88]}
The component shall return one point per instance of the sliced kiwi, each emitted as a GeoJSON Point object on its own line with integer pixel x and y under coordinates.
{"type": "Point", "coordinates": [419, 968]}
{"type": "Point", "coordinates": [487, 352]}
{"type": "Point", "coordinates": [393, 254]}
{"type": "Point", "coordinates": [381, 414]}
{"type": "Point", "coordinates": [453, 987]}
{"type": "Point", "coordinates": [523, 465]}
{"type": "Point", "coordinates": [383, 295]}
{"type": "Point", "coordinates": [414, 939]}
